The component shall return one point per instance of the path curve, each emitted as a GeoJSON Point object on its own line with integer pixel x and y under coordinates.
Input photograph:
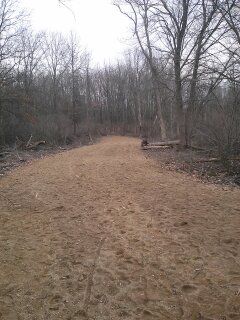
{"type": "Point", "coordinates": [102, 232]}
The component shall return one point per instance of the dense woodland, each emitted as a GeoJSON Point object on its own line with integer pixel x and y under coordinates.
{"type": "Point", "coordinates": [180, 80]}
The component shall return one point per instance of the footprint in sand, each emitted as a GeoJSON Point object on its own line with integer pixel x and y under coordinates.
{"type": "Point", "coordinates": [112, 289]}
{"type": "Point", "coordinates": [120, 252]}
{"type": "Point", "coordinates": [189, 288]}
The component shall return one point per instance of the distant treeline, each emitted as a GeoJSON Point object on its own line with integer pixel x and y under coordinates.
{"type": "Point", "coordinates": [181, 79]}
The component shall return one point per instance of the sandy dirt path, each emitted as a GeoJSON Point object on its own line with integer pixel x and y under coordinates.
{"type": "Point", "coordinates": [102, 232]}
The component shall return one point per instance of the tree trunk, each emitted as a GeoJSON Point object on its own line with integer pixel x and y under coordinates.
{"type": "Point", "coordinates": [182, 123]}
{"type": "Point", "coordinates": [159, 105]}
{"type": "Point", "coordinates": [160, 117]}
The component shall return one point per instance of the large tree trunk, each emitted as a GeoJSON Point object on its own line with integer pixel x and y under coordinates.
{"type": "Point", "coordinates": [160, 115]}
{"type": "Point", "coordinates": [159, 108]}
{"type": "Point", "coordinates": [182, 119]}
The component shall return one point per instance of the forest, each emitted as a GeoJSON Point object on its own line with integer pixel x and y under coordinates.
{"type": "Point", "coordinates": [180, 80]}
{"type": "Point", "coordinates": [119, 182]}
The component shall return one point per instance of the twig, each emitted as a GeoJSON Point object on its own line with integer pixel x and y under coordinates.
{"type": "Point", "coordinates": [17, 154]}
{"type": "Point", "coordinates": [63, 3]}
{"type": "Point", "coordinates": [29, 141]}
{"type": "Point", "coordinates": [90, 137]}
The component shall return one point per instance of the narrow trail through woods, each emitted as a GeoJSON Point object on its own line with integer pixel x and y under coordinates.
{"type": "Point", "coordinates": [102, 232]}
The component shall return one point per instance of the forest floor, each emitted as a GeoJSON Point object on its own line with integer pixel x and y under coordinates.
{"type": "Point", "coordinates": [11, 158]}
{"type": "Point", "coordinates": [103, 232]}
{"type": "Point", "coordinates": [198, 164]}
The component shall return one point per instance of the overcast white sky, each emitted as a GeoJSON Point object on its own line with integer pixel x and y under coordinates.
{"type": "Point", "coordinates": [100, 26]}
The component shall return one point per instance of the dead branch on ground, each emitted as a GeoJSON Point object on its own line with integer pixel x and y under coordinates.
{"type": "Point", "coordinates": [34, 145]}
{"type": "Point", "coordinates": [29, 145]}
{"type": "Point", "coordinates": [155, 145]}
{"type": "Point", "coordinates": [237, 158]}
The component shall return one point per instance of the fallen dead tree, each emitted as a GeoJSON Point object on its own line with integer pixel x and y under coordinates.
{"type": "Point", "coordinates": [35, 145]}
{"type": "Point", "coordinates": [28, 145]}
{"type": "Point", "coordinates": [236, 158]}
{"type": "Point", "coordinates": [149, 147]}
{"type": "Point", "coordinates": [163, 144]}
{"type": "Point", "coordinates": [167, 144]}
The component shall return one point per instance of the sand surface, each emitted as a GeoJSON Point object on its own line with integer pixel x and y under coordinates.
{"type": "Point", "coordinates": [102, 232]}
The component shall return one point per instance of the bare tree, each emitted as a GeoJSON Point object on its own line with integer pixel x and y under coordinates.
{"type": "Point", "coordinates": [55, 57]}
{"type": "Point", "coordinates": [77, 61]}
{"type": "Point", "coordinates": [11, 24]}
{"type": "Point", "coordinates": [140, 13]}
{"type": "Point", "coordinates": [183, 33]}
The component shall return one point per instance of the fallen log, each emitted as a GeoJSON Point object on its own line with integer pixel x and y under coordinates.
{"type": "Point", "coordinates": [159, 145]}
{"type": "Point", "coordinates": [195, 148]}
{"type": "Point", "coordinates": [237, 158]}
{"type": "Point", "coordinates": [165, 143]}
{"type": "Point", "coordinates": [35, 145]}
{"type": "Point", "coordinates": [148, 147]}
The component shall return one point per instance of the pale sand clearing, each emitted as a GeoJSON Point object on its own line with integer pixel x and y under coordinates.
{"type": "Point", "coordinates": [101, 232]}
